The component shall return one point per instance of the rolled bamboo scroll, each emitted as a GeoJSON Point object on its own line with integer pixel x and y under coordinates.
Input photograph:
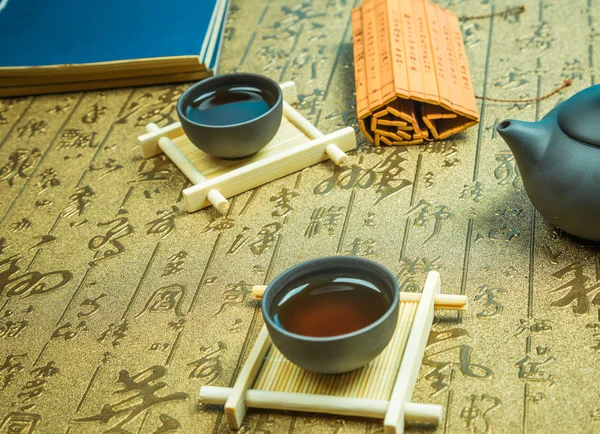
{"type": "Point", "coordinates": [411, 71]}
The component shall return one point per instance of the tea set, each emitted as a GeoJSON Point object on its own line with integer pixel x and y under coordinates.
{"type": "Point", "coordinates": [234, 116]}
{"type": "Point", "coordinates": [558, 158]}
{"type": "Point", "coordinates": [242, 114]}
{"type": "Point", "coordinates": [559, 161]}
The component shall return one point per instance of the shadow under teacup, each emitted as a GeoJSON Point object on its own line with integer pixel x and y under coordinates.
{"type": "Point", "coordinates": [232, 115]}
{"type": "Point", "coordinates": [332, 315]}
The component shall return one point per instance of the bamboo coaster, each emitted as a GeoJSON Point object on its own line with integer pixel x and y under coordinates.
{"type": "Point", "coordinates": [382, 389]}
{"type": "Point", "coordinates": [297, 145]}
{"type": "Point", "coordinates": [410, 67]}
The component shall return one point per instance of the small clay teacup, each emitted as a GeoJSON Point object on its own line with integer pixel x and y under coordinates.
{"type": "Point", "coordinates": [241, 114]}
{"type": "Point", "coordinates": [339, 353]}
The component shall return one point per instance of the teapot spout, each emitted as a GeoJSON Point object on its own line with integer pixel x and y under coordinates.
{"type": "Point", "coordinates": [528, 141]}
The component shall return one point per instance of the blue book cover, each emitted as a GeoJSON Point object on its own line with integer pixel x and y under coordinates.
{"type": "Point", "coordinates": [38, 33]}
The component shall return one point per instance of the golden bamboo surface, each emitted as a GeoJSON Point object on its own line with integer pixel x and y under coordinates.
{"type": "Point", "coordinates": [373, 381]}
{"type": "Point", "coordinates": [116, 305]}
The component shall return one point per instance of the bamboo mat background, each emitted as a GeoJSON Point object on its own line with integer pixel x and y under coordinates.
{"type": "Point", "coordinates": [108, 290]}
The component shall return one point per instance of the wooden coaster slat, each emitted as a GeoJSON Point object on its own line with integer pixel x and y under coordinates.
{"type": "Point", "coordinates": [383, 388]}
{"type": "Point", "coordinates": [296, 145]}
{"type": "Point", "coordinates": [266, 169]}
{"type": "Point", "coordinates": [235, 407]}
{"type": "Point", "coordinates": [413, 356]}
{"type": "Point", "coordinates": [301, 402]}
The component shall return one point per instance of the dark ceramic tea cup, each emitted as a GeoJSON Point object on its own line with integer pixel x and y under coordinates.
{"type": "Point", "coordinates": [340, 353]}
{"type": "Point", "coordinates": [232, 134]}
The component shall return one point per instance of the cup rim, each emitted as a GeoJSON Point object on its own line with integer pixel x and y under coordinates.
{"type": "Point", "coordinates": [249, 77]}
{"type": "Point", "coordinates": [312, 262]}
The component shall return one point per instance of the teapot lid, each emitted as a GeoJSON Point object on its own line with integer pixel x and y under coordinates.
{"type": "Point", "coordinates": [579, 116]}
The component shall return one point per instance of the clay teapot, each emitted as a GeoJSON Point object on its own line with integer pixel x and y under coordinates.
{"type": "Point", "coordinates": [559, 161]}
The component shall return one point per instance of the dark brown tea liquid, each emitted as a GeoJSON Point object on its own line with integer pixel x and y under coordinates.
{"type": "Point", "coordinates": [229, 105]}
{"type": "Point", "coordinates": [330, 306]}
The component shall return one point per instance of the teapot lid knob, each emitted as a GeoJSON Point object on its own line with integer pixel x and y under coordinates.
{"type": "Point", "coordinates": [579, 116]}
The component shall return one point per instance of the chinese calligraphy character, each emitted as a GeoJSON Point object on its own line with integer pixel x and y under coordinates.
{"type": "Point", "coordinates": [158, 112]}
{"type": "Point", "coordinates": [429, 178]}
{"type": "Point", "coordinates": [239, 241]}
{"type": "Point", "coordinates": [19, 162]}
{"type": "Point", "coordinates": [94, 306]}
{"type": "Point", "coordinates": [175, 263]}
{"type": "Point", "coordinates": [159, 170]}
{"type": "Point", "coordinates": [150, 193]}
{"type": "Point", "coordinates": [117, 228]}
{"type": "Point", "coordinates": [444, 148]}
{"type": "Point", "coordinates": [31, 129]}
{"type": "Point", "coordinates": [78, 201]}
{"type": "Point", "coordinates": [476, 420]}
{"type": "Point", "coordinates": [507, 170]}
{"type": "Point", "coordinates": [324, 216]}
{"type": "Point", "coordinates": [386, 176]}
{"type": "Point", "coordinates": [92, 116]}
{"type": "Point", "coordinates": [33, 281]}
{"type": "Point", "coordinates": [422, 218]}
{"type": "Point", "coordinates": [164, 224]}
{"type": "Point", "coordinates": [541, 39]}
{"type": "Point", "coordinates": [491, 307]}
{"type": "Point", "coordinates": [110, 165]}
{"type": "Point", "coordinates": [411, 268]}
{"type": "Point", "coordinates": [58, 108]}
{"type": "Point", "coordinates": [48, 179]}
{"type": "Point", "coordinates": [360, 247]}
{"type": "Point", "coordinates": [573, 70]}
{"type": "Point", "coordinates": [168, 425]}
{"type": "Point", "coordinates": [138, 394]}
{"type": "Point", "coordinates": [67, 333]}
{"type": "Point", "coordinates": [22, 225]}
{"type": "Point", "coordinates": [578, 289]}
{"type": "Point", "coordinates": [75, 139]}
{"type": "Point", "coordinates": [370, 221]}
{"type": "Point", "coordinates": [533, 326]}
{"type": "Point", "coordinates": [442, 366]}
{"type": "Point", "coordinates": [11, 329]}
{"type": "Point", "coordinates": [167, 298]}
{"type": "Point", "coordinates": [177, 325]}
{"type": "Point", "coordinates": [40, 203]}
{"type": "Point", "coordinates": [221, 224]}
{"type": "Point", "coordinates": [530, 368]}
{"type": "Point", "coordinates": [208, 367]}
{"type": "Point", "coordinates": [116, 332]}
{"type": "Point", "coordinates": [474, 192]}
{"type": "Point", "coordinates": [19, 423]}
{"type": "Point", "coordinates": [282, 202]}
{"type": "Point", "coordinates": [236, 295]}
{"type": "Point", "coordinates": [34, 388]}
{"type": "Point", "coordinates": [10, 368]}
{"type": "Point", "coordinates": [596, 335]}
{"type": "Point", "coordinates": [266, 238]}
{"type": "Point", "coordinates": [514, 79]}
{"type": "Point", "coordinates": [504, 233]}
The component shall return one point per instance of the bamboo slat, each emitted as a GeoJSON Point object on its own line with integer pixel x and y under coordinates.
{"type": "Point", "coordinates": [373, 381]}
{"type": "Point", "coordinates": [410, 67]}
{"type": "Point", "coordinates": [296, 145]}
{"type": "Point", "coordinates": [268, 380]}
